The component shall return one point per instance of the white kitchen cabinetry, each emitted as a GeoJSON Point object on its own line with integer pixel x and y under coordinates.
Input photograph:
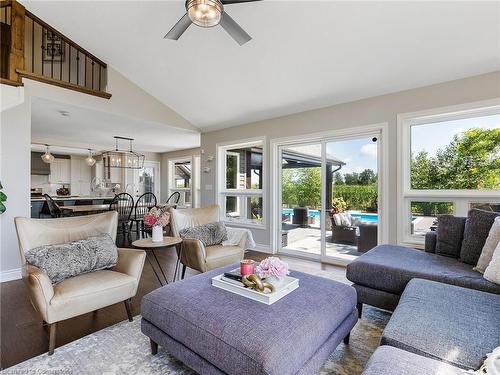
{"type": "Point", "coordinates": [80, 176]}
{"type": "Point", "coordinates": [60, 171]}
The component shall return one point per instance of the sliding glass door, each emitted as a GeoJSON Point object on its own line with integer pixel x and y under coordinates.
{"type": "Point", "coordinates": [328, 197]}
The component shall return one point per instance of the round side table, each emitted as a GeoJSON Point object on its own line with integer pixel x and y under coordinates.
{"type": "Point", "coordinates": [147, 244]}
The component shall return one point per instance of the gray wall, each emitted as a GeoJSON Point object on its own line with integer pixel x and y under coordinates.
{"type": "Point", "coordinates": [381, 109]}
{"type": "Point", "coordinates": [164, 166]}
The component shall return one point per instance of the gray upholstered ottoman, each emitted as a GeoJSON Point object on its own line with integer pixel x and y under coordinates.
{"type": "Point", "coordinates": [217, 332]}
{"type": "Point", "coordinates": [392, 361]}
{"type": "Point", "coordinates": [445, 322]}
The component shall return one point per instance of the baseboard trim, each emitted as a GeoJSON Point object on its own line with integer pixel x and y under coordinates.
{"type": "Point", "coordinates": [9, 275]}
{"type": "Point", "coordinates": [261, 248]}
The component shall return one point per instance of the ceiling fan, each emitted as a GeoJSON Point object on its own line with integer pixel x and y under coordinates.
{"type": "Point", "coordinates": [210, 13]}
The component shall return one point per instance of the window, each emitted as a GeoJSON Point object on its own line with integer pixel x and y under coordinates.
{"type": "Point", "coordinates": [240, 183]}
{"type": "Point", "coordinates": [450, 163]}
{"type": "Point", "coordinates": [181, 180]}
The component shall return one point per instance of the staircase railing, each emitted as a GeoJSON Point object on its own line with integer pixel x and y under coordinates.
{"type": "Point", "coordinates": [38, 51]}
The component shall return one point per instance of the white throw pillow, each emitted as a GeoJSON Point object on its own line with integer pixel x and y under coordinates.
{"type": "Point", "coordinates": [345, 219]}
{"type": "Point", "coordinates": [489, 246]}
{"type": "Point", "coordinates": [492, 272]}
{"type": "Point", "coordinates": [337, 219]}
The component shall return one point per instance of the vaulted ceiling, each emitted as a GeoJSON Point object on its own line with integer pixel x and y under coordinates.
{"type": "Point", "coordinates": [304, 54]}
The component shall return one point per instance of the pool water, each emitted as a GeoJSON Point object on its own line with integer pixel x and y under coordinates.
{"type": "Point", "coordinates": [371, 218]}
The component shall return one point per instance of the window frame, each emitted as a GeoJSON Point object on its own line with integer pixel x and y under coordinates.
{"type": "Point", "coordinates": [222, 191]}
{"type": "Point", "coordinates": [171, 180]}
{"type": "Point", "coordinates": [461, 198]}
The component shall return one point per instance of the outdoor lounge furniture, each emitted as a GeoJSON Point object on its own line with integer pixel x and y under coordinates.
{"type": "Point", "coordinates": [214, 331]}
{"type": "Point", "coordinates": [368, 236]}
{"type": "Point", "coordinates": [343, 229]}
{"type": "Point", "coordinates": [455, 325]}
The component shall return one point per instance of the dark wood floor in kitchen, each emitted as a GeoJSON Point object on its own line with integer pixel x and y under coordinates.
{"type": "Point", "coordinates": [22, 335]}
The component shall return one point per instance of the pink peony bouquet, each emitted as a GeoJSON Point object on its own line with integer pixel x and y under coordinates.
{"type": "Point", "coordinates": [156, 217]}
{"type": "Point", "coordinates": [273, 266]}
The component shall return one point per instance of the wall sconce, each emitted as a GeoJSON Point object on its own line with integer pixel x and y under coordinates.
{"type": "Point", "coordinates": [207, 169]}
{"type": "Point", "coordinates": [210, 158]}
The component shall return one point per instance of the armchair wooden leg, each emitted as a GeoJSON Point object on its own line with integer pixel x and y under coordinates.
{"type": "Point", "coordinates": [183, 271]}
{"type": "Point", "coordinates": [154, 347]}
{"type": "Point", "coordinates": [52, 337]}
{"type": "Point", "coordinates": [128, 307]}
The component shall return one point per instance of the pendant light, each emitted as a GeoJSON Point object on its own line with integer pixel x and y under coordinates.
{"type": "Point", "coordinates": [128, 159]}
{"type": "Point", "coordinates": [89, 159]}
{"type": "Point", "coordinates": [47, 157]}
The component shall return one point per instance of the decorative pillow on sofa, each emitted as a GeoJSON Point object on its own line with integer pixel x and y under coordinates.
{"type": "Point", "coordinates": [477, 228]}
{"type": "Point", "coordinates": [210, 234]}
{"type": "Point", "coordinates": [63, 261]}
{"type": "Point", "coordinates": [449, 235]}
{"type": "Point", "coordinates": [489, 246]}
{"type": "Point", "coordinates": [492, 272]}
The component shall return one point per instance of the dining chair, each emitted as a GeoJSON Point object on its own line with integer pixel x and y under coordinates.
{"type": "Point", "coordinates": [174, 198]}
{"type": "Point", "coordinates": [54, 209]}
{"type": "Point", "coordinates": [123, 203]}
{"type": "Point", "coordinates": [142, 206]}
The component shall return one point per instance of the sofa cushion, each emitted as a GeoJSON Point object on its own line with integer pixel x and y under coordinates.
{"type": "Point", "coordinates": [63, 261]}
{"type": "Point", "coordinates": [210, 234]}
{"type": "Point", "coordinates": [492, 272]}
{"type": "Point", "coordinates": [489, 246]}
{"type": "Point", "coordinates": [477, 228]}
{"type": "Point", "coordinates": [450, 233]}
{"type": "Point", "coordinates": [453, 324]}
{"type": "Point", "coordinates": [387, 360]}
{"type": "Point", "coordinates": [390, 268]}
{"type": "Point", "coordinates": [241, 336]}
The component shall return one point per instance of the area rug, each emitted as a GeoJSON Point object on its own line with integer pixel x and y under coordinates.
{"type": "Point", "coordinates": [123, 349]}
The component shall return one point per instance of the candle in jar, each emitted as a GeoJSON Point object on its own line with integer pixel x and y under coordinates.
{"type": "Point", "coordinates": [247, 267]}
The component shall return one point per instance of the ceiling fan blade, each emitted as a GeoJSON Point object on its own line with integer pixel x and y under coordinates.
{"type": "Point", "coordinates": [234, 30]}
{"type": "Point", "coordinates": [179, 28]}
{"type": "Point", "coordinates": [226, 2]}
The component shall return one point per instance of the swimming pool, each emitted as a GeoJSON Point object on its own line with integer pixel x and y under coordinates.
{"type": "Point", "coordinates": [371, 218]}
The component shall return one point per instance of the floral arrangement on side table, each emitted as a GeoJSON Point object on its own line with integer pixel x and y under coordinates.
{"type": "Point", "coordinates": [157, 219]}
{"type": "Point", "coordinates": [273, 269]}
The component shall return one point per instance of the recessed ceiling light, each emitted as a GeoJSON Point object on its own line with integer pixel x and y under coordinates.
{"type": "Point", "coordinates": [64, 113]}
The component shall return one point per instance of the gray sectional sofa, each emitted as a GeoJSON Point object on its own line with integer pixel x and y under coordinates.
{"type": "Point", "coordinates": [445, 316]}
{"type": "Point", "coordinates": [381, 275]}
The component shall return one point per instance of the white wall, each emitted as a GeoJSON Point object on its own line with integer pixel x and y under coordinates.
{"type": "Point", "coordinates": [15, 157]}
{"type": "Point", "coordinates": [381, 109]}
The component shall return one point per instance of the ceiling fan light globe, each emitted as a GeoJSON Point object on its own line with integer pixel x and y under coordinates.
{"type": "Point", "coordinates": [205, 13]}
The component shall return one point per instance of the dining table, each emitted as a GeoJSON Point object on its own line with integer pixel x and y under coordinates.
{"type": "Point", "coordinates": [86, 208]}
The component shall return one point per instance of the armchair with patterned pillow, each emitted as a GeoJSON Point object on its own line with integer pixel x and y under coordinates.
{"type": "Point", "coordinates": [56, 300]}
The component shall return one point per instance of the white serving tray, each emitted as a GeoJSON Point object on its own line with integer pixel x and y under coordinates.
{"type": "Point", "coordinates": [288, 285]}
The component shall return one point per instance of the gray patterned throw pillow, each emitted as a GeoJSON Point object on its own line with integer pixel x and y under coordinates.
{"type": "Point", "coordinates": [75, 258]}
{"type": "Point", "coordinates": [210, 234]}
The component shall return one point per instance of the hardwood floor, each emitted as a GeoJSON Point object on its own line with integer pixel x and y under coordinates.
{"type": "Point", "coordinates": [23, 336]}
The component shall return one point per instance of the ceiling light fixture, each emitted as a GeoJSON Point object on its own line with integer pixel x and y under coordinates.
{"type": "Point", "coordinates": [123, 158]}
{"type": "Point", "coordinates": [204, 13]}
{"type": "Point", "coordinates": [47, 157]}
{"type": "Point", "coordinates": [89, 159]}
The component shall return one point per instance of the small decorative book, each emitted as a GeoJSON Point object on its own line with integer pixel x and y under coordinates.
{"type": "Point", "coordinates": [231, 282]}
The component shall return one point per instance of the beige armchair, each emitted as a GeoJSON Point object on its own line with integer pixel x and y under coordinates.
{"type": "Point", "coordinates": [194, 254]}
{"type": "Point", "coordinates": [84, 293]}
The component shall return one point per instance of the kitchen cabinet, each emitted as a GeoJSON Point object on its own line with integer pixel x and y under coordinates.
{"type": "Point", "coordinates": [80, 176]}
{"type": "Point", "coordinates": [60, 171]}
